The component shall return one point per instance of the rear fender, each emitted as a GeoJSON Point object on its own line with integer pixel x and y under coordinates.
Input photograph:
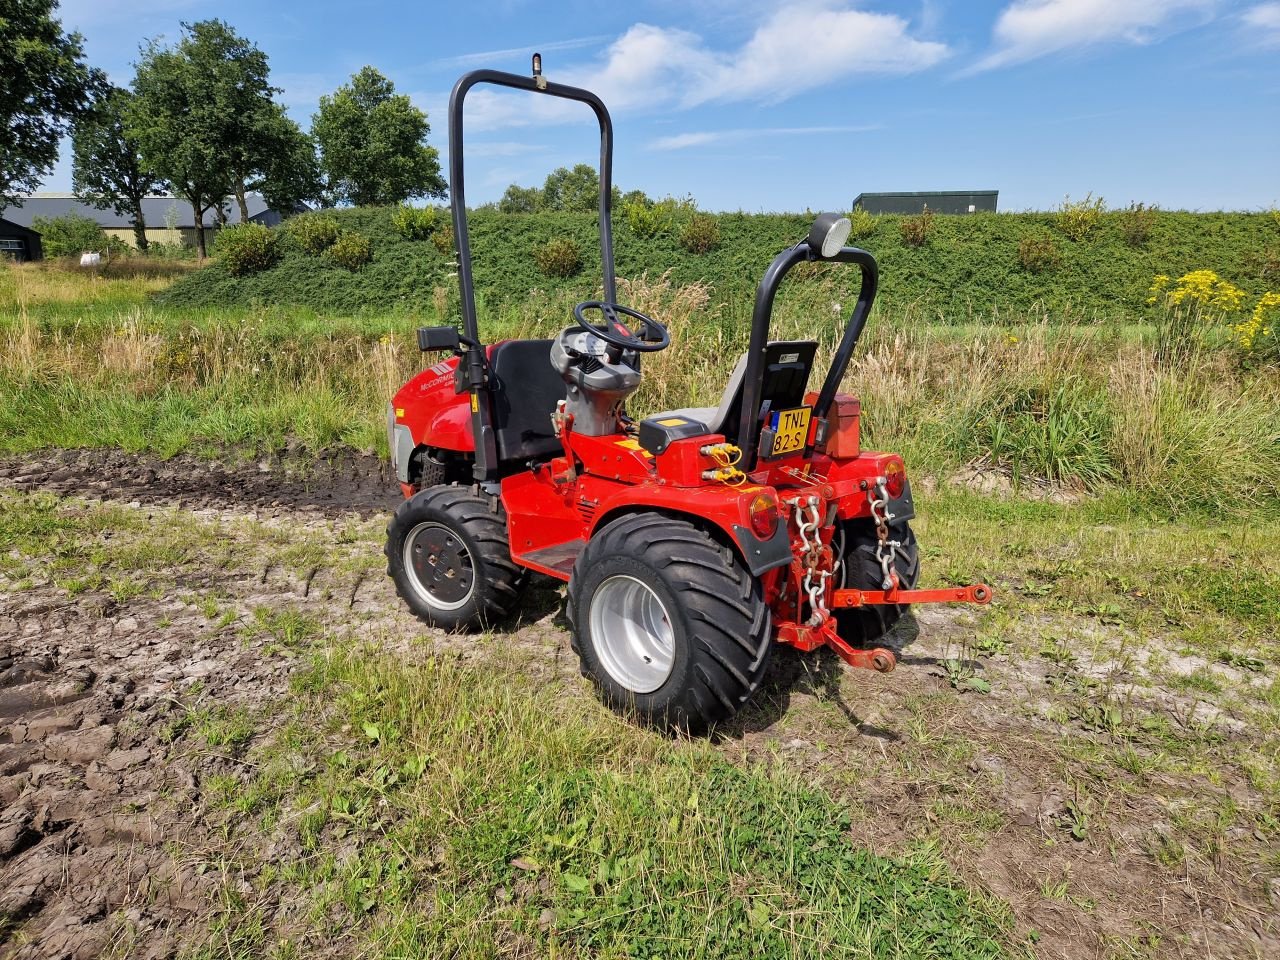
{"type": "Point", "coordinates": [729, 525]}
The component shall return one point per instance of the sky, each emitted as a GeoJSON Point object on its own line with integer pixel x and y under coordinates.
{"type": "Point", "coordinates": [795, 106]}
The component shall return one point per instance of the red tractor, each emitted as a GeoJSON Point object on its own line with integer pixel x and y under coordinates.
{"type": "Point", "coordinates": [692, 540]}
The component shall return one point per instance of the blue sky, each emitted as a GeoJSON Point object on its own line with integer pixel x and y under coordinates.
{"type": "Point", "coordinates": [792, 106]}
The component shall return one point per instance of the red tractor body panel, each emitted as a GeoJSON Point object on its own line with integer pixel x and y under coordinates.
{"type": "Point", "coordinates": [435, 413]}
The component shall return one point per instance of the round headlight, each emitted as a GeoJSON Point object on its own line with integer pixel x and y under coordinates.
{"type": "Point", "coordinates": [828, 234]}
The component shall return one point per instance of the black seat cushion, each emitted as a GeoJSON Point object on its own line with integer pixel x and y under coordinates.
{"type": "Point", "coordinates": [526, 389]}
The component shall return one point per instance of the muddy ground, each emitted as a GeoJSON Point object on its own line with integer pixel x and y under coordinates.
{"type": "Point", "coordinates": [104, 849]}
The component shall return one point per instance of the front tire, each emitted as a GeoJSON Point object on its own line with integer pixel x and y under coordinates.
{"type": "Point", "coordinates": [669, 624]}
{"type": "Point", "coordinates": [448, 554]}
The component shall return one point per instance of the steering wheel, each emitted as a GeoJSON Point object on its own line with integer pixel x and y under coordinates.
{"type": "Point", "coordinates": [615, 333]}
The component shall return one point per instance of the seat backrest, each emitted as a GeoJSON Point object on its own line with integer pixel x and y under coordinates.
{"type": "Point", "coordinates": [526, 389]}
{"type": "Point", "coordinates": [786, 374]}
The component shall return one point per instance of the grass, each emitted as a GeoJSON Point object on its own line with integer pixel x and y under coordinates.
{"type": "Point", "coordinates": [473, 800]}
{"type": "Point", "coordinates": [1085, 407]}
{"type": "Point", "coordinates": [427, 806]}
{"type": "Point", "coordinates": [483, 815]}
{"type": "Point", "coordinates": [438, 806]}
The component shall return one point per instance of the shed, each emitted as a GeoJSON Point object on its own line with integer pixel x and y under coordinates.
{"type": "Point", "coordinates": [18, 242]}
{"type": "Point", "coordinates": [169, 219]}
{"type": "Point", "coordinates": [939, 201]}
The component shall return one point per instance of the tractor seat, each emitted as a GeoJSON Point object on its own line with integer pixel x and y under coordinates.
{"type": "Point", "coordinates": [786, 373]}
{"type": "Point", "coordinates": [713, 418]}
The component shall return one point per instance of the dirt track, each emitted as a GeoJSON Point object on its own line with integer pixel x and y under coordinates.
{"type": "Point", "coordinates": [98, 850]}
{"type": "Point", "coordinates": [99, 695]}
{"type": "Point", "coordinates": [334, 485]}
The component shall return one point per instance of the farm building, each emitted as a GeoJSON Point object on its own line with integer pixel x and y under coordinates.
{"type": "Point", "coordinates": [18, 242]}
{"type": "Point", "coordinates": [169, 219]}
{"type": "Point", "coordinates": [939, 201]}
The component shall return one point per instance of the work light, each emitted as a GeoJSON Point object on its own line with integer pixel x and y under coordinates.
{"type": "Point", "coordinates": [828, 234]}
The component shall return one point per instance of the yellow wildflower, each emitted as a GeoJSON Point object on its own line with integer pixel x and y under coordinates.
{"type": "Point", "coordinates": [1158, 283]}
{"type": "Point", "coordinates": [1265, 313]}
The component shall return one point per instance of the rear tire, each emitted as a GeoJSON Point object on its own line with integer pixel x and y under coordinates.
{"type": "Point", "coordinates": [669, 624]}
{"type": "Point", "coordinates": [448, 554]}
{"type": "Point", "coordinates": [867, 625]}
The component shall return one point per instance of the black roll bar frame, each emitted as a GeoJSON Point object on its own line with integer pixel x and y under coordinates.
{"type": "Point", "coordinates": [762, 315]}
{"type": "Point", "coordinates": [486, 463]}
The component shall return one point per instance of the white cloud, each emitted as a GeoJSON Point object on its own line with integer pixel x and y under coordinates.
{"type": "Point", "coordinates": [486, 58]}
{"type": "Point", "coordinates": [1263, 21]}
{"type": "Point", "coordinates": [302, 91]}
{"type": "Point", "coordinates": [683, 141]}
{"type": "Point", "coordinates": [78, 14]}
{"type": "Point", "coordinates": [648, 65]}
{"type": "Point", "coordinates": [796, 48]}
{"type": "Point", "coordinates": [801, 47]}
{"type": "Point", "coordinates": [503, 148]}
{"type": "Point", "coordinates": [1027, 29]}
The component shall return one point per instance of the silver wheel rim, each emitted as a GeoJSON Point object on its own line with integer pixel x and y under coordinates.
{"type": "Point", "coordinates": [632, 634]}
{"type": "Point", "coordinates": [439, 566]}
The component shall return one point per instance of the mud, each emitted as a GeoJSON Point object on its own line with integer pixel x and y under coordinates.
{"type": "Point", "coordinates": [109, 708]}
{"type": "Point", "coordinates": [331, 484]}
{"type": "Point", "coordinates": [113, 715]}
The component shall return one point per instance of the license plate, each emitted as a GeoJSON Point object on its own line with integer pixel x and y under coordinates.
{"type": "Point", "coordinates": [790, 429]}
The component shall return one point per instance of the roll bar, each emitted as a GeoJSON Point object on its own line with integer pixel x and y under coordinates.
{"type": "Point", "coordinates": [534, 84]}
{"type": "Point", "coordinates": [486, 465]}
{"type": "Point", "coordinates": [762, 315]}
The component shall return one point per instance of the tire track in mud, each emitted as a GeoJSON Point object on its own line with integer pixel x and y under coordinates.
{"type": "Point", "coordinates": [331, 483]}
{"type": "Point", "coordinates": [108, 706]}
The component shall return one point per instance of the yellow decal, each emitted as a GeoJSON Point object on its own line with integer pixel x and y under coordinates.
{"type": "Point", "coordinates": [672, 422]}
{"type": "Point", "coordinates": [475, 403]}
{"type": "Point", "coordinates": [399, 412]}
{"type": "Point", "coordinates": [633, 445]}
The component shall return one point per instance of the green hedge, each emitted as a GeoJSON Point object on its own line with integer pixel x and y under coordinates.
{"type": "Point", "coordinates": [970, 266]}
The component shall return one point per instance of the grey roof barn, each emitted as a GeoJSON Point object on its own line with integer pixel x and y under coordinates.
{"type": "Point", "coordinates": [159, 211]}
{"type": "Point", "coordinates": [939, 201]}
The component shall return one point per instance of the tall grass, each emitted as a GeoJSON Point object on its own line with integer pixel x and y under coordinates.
{"type": "Point", "coordinates": [1084, 407]}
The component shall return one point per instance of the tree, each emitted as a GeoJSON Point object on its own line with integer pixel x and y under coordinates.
{"type": "Point", "coordinates": [106, 169]}
{"type": "Point", "coordinates": [518, 199]}
{"type": "Point", "coordinates": [69, 235]}
{"type": "Point", "coordinates": [181, 128]}
{"type": "Point", "coordinates": [373, 144]}
{"type": "Point", "coordinates": [44, 85]}
{"type": "Point", "coordinates": [289, 173]}
{"type": "Point", "coordinates": [205, 119]}
{"type": "Point", "coordinates": [574, 191]}
{"type": "Point", "coordinates": [262, 147]}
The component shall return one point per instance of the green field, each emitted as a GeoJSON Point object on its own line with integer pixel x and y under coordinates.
{"type": "Point", "coordinates": [413, 794]}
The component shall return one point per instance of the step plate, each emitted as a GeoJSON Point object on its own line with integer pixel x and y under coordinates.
{"type": "Point", "coordinates": [554, 561]}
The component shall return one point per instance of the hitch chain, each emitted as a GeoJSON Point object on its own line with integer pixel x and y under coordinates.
{"type": "Point", "coordinates": [811, 557]}
{"type": "Point", "coordinates": [885, 548]}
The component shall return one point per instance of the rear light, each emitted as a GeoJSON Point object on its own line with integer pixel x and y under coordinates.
{"type": "Point", "coordinates": [895, 477]}
{"type": "Point", "coordinates": [764, 515]}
